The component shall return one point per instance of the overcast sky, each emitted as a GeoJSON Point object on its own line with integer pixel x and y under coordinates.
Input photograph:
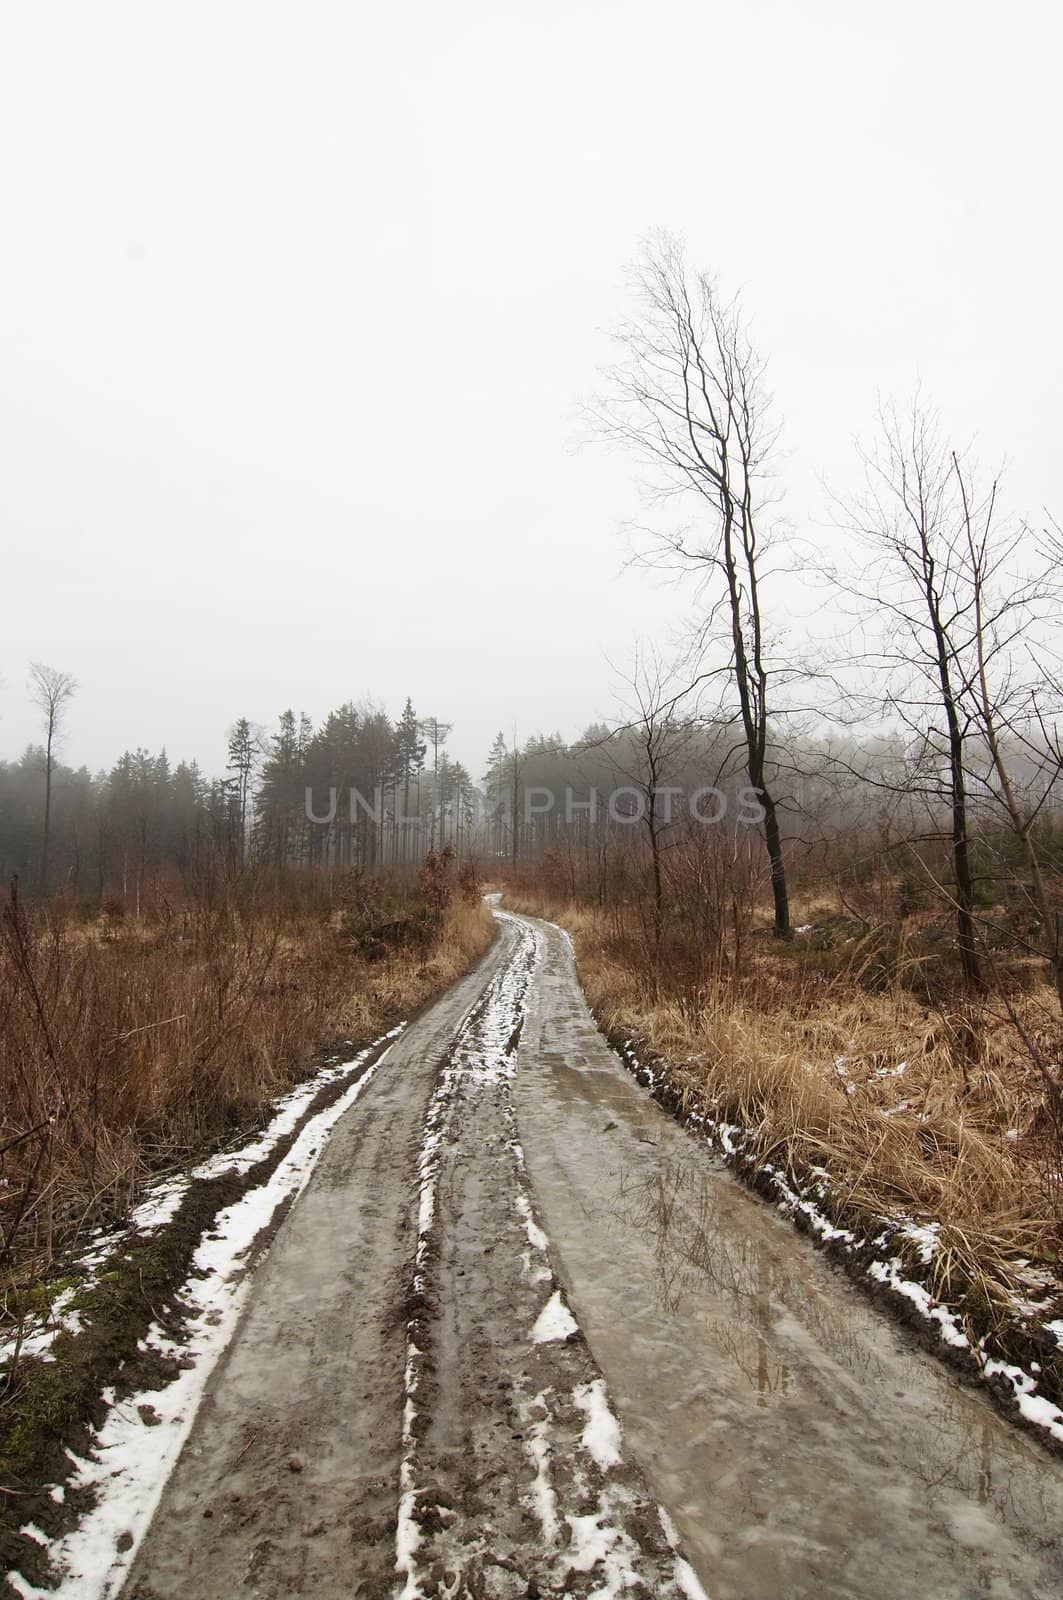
{"type": "Point", "coordinates": [298, 301]}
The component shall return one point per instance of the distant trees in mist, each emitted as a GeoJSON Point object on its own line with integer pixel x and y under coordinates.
{"type": "Point", "coordinates": [285, 799]}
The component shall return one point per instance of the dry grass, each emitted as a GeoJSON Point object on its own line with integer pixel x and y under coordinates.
{"type": "Point", "coordinates": [126, 1049]}
{"type": "Point", "coordinates": [808, 1061]}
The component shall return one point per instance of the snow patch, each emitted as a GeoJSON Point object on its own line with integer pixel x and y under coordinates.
{"type": "Point", "coordinates": [687, 1581]}
{"type": "Point", "coordinates": [536, 1237]}
{"type": "Point", "coordinates": [537, 1444]}
{"type": "Point", "coordinates": [1033, 1406]}
{"type": "Point", "coordinates": [890, 1273]}
{"type": "Point", "coordinates": [925, 1238]}
{"type": "Point", "coordinates": [554, 1322]}
{"type": "Point", "coordinates": [601, 1435]}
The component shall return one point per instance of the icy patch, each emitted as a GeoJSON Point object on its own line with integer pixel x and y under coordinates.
{"type": "Point", "coordinates": [810, 1202]}
{"type": "Point", "coordinates": [601, 1435]}
{"type": "Point", "coordinates": [554, 1322]}
{"type": "Point", "coordinates": [130, 1460]}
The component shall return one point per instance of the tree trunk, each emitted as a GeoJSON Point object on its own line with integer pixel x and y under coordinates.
{"type": "Point", "coordinates": [47, 813]}
{"type": "Point", "coordinates": [773, 840]}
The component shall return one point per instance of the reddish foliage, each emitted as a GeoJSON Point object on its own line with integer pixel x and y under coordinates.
{"type": "Point", "coordinates": [435, 880]}
{"type": "Point", "coordinates": [470, 882]}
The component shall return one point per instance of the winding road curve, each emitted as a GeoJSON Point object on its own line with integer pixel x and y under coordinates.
{"type": "Point", "coordinates": [523, 1336]}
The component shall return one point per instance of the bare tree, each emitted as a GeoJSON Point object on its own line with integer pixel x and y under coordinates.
{"type": "Point", "coordinates": [915, 583]}
{"type": "Point", "coordinates": [950, 617]}
{"type": "Point", "coordinates": [647, 752]}
{"type": "Point", "coordinates": [1007, 710]}
{"type": "Point", "coordinates": [51, 692]}
{"type": "Point", "coordinates": [689, 398]}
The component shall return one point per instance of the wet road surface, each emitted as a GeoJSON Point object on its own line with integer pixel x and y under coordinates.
{"type": "Point", "coordinates": [801, 1443]}
{"type": "Point", "coordinates": [524, 1336]}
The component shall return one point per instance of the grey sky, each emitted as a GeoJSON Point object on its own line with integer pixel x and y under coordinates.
{"type": "Point", "coordinates": [297, 303]}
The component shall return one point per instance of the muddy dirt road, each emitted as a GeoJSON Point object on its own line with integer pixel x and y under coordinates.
{"type": "Point", "coordinates": [523, 1336]}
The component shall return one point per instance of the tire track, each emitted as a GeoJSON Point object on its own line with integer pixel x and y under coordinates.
{"type": "Point", "coordinates": [513, 1481]}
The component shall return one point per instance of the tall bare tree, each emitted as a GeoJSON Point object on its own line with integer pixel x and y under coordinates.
{"type": "Point", "coordinates": [1007, 702]}
{"type": "Point", "coordinates": [51, 692]}
{"type": "Point", "coordinates": [688, 397]}
{"type": "Point", "coordinates": [916, 579]}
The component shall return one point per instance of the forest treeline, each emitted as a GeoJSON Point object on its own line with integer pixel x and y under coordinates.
{"type": "Point", "coordinates": [635, 806]}
{"type": "Point", "coordinates": [148, 825]}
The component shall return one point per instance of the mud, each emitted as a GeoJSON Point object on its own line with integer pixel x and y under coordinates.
{"type": "Point", "coordinates": [288, 1482]}
{"type": "Point", "coordinates": [506, 1250]}
{"type": "Point", "coordinates": [799, 1440]}
{"type": "Point", "coordinates": [504, 1492]}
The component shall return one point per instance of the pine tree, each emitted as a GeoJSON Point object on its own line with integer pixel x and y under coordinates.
{"type": "Point", "coordinates": [243, 753]}
{"type": "Point", "coordinates": [495, 785]}
{"type": "Point", "coordinates": [411, 750]}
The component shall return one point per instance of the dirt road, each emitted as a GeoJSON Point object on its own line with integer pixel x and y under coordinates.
{"type": "Point", "coordinates": [523, 1336]}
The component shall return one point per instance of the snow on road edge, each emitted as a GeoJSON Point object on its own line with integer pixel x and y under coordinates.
{"type": "Point", "coordinates": [884, 1268]}
{"type": "Point", "coordinates": [132, 1459]}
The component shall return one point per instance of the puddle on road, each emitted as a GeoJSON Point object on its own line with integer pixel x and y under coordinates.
{"type": "Point", "coordinates": [803, 1447]}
